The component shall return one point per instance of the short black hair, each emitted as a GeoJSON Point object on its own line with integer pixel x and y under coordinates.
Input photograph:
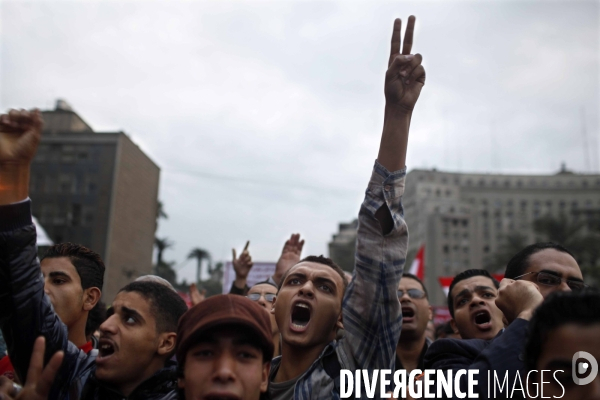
{"type": "Point", "coordinates": [319, 260]}
{"type": "Point", "coordinates": [165, 304]}
{"type": "Point", "coordinates": [416, 278]}
{"type": "Point", "coordinates": [89, 264]}
{"type": "Point", "coordinates": [559, 308]}
{"type": "Point", "coordinates": [470, 273]}
{"type": "Point", "coordinates": [520, 261]}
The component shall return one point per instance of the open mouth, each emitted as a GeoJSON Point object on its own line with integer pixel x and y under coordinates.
{"type": "Point", "coordinates": [483, 319]}
{"type": "Point", "coordinates": [408, 314]}
{"type": "Point", "coordinates": [300, 316]}
{"type": "Point", "coordinates": [105, 349]}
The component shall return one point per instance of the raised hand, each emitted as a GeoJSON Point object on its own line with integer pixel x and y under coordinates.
{"type": "Point", "coordinates": [20, 132]}
{"type": "Point", "coordinates": [242, 266]}
{"type": "Point", "coordinates": [19, 138]}
{"type": "Point", "coordinates": [405, 75]}
{"type": "Point", "coordinates": [39, 379]}
{"type": "Point", "coordinates": [196, 296]}
{"type": "Point", "coordinates": [404, 80]}
{"type": "Point", "coordinates": [290, 256]}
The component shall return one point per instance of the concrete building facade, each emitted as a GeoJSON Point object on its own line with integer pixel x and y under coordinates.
{"type": "Point", "coordinates": [99, 190]}
{"type": "Point", "coordinates": [462, 219]}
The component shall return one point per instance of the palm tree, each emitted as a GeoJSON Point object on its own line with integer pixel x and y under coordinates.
{"type": "Point", "coordinates": [200, 255]}
{"type": "Point", "coordinates": [160, 211]}
{"type": "Point", "coordinates": [161, 246]}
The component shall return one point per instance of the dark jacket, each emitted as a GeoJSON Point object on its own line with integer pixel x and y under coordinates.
{"type": "Point", "coordinates": [501, 356]}
{"type": "Point", "coordinates": [26, 313]}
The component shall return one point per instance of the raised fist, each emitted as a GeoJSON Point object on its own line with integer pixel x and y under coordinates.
{"type": "Point", "coordinates": [20, 132]}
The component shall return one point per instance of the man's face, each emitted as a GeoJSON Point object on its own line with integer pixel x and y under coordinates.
{"type": "Point", "coordinates": [416, 313]}
{"type": "Point", "coordinates": [62, 284]}
{"type": "Point", "coordinates": [263, 290]}
{"type": "Point", "coordinates": [475, 313]}
{"type": "Point", "coordinates": [556, 263]}
{"type": "Point", "coordinates": [557, 354]}
{"type": "Point", "coordinates": [309, 305]}
{"type": "Point", "coordinates": [224, 364]}
{"type": "Point", "coordinates": [128, 342]}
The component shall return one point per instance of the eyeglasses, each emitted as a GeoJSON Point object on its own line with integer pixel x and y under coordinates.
{"type": "Point", "coordinates": [547, 279]}
{"type": "Point", "coordinates": [412, 293]}
{"type": "Point", "coordinates": [256, 296]}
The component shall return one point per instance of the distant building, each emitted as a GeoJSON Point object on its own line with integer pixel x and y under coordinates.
{"type": "Point", "coordinates": [96, 189]}
{"type": "Point", "coordinates": [463, 218]}
{"type": "Point", "coordinates": [343, 246]}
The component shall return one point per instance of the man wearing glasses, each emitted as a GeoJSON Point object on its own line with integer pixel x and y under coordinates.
{"type": "Point", "coordinates": [532, 274]}
{"type": "Point", "coordinates": [416, 313]}
{"type": "Point", "coordinates": [264, 293]}
{"type": "Point", "coordinates": [549, 265]}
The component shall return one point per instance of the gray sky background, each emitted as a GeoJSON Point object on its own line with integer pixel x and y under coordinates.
{"type": "Point", "coordinates": [265, 117]}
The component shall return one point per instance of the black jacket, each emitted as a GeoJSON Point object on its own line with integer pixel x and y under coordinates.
{"type": "Point", "coordinates": [501, 356]}
{"type": "Point", "coordinates": [26, 313]}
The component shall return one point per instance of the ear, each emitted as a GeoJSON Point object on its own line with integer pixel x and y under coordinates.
{"type": "Point", "coordinates": [166, 343]}
{"type": "Point", "coordinates": [264, 383]}
{"type": "Point", "coordinates": [430, 318]}
{"type": "Point", "coordinates": [91, 297]}
{"type": "Point", "coordinates": [272, 310]}
{"type": "Point", "coordinates": [180, 383]}
{"type": "Point", "coordinates": [453, 325]}
{"type": "Point", "coordinates": [340, 322]}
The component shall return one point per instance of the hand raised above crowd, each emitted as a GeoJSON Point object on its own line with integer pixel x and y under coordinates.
{"type": "Point", "coordinates": [242, 266]}
{"type": "Point", "coordinates": [196, 296]}
{"type": "Point", "coordinates": [404, 80]}
{"type": "Point", "coordinates": [405, 76]}
{"type": "Point", "coordinates": [20, 133]}
{"type": "Point", "coordinates": [290, 256]}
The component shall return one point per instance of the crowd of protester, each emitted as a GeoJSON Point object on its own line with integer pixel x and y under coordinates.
{"type": "Point", "coordinates": [287, 337]}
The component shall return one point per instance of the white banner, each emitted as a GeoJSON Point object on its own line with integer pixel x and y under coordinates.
{"type": "Point", "coordinates": [260, 272]}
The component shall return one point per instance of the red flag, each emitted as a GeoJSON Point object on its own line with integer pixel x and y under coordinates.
{"type": "Point", "coordinates": [417, 267]}
{"type": "Point", "coordinates": [498, 277]}
{"type": "Point", "coordinates": [445, 282]}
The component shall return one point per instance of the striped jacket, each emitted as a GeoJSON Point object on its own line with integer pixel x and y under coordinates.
{"type": "Point", "coordinates": [371, 311]}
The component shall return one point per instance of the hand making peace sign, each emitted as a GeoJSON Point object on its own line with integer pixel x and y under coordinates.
{"type": "Point", "coordinates": [405, 75]}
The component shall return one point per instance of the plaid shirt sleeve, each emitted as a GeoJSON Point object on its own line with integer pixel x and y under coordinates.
{"type": "Point", "coordinates": [371, 311]}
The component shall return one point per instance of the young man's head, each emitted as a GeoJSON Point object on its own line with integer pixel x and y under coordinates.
{"type": "Point", "coordinates": [139, 334]}
{"type": "Point", "coordinates": [263, 293]}
{"type": "Point", "coordinates": [308, 307]}
{"type": "Point", "coordinates": [73, 279]}
{"type": "Point", "coordinates": [416, 311]}
{"type": "Point", "coordinates": [472, 305]}
{"type": "Point", "coordinates": [549, 265]}
{"type": "Point", "coordinates": [565, 324]}
{"type": "Point", "coordinates": [224, 349]}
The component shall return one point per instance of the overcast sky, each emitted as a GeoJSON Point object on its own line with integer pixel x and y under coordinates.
{"type": "Point", "coordinates": [265, 117]}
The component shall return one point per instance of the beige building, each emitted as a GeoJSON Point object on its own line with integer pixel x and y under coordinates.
{"type": "Point", "coordinates": [96, 189]}
{"type": "Point", "coordinates": [463, 218]}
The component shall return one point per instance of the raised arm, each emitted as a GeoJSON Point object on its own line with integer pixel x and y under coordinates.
{"type": "Point", "coordinates": [404, 80]}
{"type": "Point", "coordinates": [26, 310]}
{"type": "Point", "coordinates": [371, 312]}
